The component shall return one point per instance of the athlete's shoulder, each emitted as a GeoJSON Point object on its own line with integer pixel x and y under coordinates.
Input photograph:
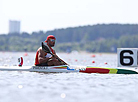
{"type": "Point", "coordinates": [39, 49]}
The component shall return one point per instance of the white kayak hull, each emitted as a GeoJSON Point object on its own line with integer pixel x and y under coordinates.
{"type": "Point", "coordinates": [59, 69]}
{"type": "Point", "coordinates": [65, 68]}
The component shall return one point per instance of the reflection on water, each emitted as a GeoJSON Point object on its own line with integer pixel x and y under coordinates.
{"type": "Point", "coordinates": [66, 87]}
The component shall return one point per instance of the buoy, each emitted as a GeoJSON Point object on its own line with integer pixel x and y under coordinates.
{"type": "Point", "coordinates": [105, 63]}
{"type": "Point", "coordinates": [93, 61]}
{"type": "Point", "coordinates": [76, 60]}
{"type": "Point", "coordinates": [26, 54]}
{"type": "Point", "coordinates": [93, 56]}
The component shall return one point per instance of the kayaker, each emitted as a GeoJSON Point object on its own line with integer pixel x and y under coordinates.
{"type": "Point", "coordinates": [46, 59]}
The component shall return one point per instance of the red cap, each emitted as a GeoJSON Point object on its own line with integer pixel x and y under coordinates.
{"type": "Point", "coordinates": [50, 37]}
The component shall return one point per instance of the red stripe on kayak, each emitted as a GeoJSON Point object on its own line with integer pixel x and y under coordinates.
{"type": "Point", "coordinates": [95, 70]}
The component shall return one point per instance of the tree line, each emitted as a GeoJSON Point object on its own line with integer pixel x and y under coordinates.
{"type": "Point", "coordinates": [91, 38]}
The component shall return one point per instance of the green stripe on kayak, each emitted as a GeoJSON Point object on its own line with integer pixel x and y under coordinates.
{"type": "Point", "coordinates": [124, 71]}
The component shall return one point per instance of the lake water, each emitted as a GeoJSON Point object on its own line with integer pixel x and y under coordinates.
{"type": "Point", "coordinates": [66, 87]}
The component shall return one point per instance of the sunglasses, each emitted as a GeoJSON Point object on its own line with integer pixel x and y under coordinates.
{"type": "Point", "coordinates": [53, 40]}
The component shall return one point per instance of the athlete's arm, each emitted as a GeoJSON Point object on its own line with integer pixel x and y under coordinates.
{"type": "Point", "coordinates": [41, 57]}
{"type": "Point", "coordinates": [63, 62]}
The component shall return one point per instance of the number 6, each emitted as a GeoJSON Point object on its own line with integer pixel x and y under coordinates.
{"type": "Point", "coordinates": [127, 57]}
{"type": "Point", "coordinates": [122, 57]}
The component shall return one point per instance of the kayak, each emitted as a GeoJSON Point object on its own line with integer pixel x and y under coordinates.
{"type": "Point", "coordinates": [73, 68]}
{"type": "Point", "coordinates": [68, 68]}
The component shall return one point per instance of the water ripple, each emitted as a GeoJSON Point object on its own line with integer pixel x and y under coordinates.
{"type": "Point", "coordinates": [66, 87]}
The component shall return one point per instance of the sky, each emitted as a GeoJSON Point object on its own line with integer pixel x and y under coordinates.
{"type": "Point", "coordinates": [36, 15]}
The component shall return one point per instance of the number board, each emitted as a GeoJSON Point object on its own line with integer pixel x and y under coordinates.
{"type": "Point", "coordinates": [127, 57]}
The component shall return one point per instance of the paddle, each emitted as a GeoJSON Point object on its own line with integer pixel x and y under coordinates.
{"type": "Point", "coordinates": [46, 49]}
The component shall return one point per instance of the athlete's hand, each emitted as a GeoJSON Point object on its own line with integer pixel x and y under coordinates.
{"type": "Point", "coordinates": [55, 56]}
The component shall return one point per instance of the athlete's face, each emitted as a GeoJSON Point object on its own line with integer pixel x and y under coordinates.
{"type": "Point", "coordinates": [51, 42]}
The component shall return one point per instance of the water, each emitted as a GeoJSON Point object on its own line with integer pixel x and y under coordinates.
{"type": "Point", "coordinates": [66, 87]}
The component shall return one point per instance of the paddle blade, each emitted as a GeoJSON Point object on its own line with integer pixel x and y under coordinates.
{"type": "Point", "coordinates": [45, 48]}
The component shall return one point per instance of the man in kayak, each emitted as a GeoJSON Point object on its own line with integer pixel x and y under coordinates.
{"type": "Point", "coordinates": [45, 59]}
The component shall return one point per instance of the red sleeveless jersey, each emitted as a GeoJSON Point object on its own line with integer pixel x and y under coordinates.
{"type": "Point", "coordinates": [36, 58]}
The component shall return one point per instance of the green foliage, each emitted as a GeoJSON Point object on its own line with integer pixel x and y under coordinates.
{"type": "Point", "coordinates": [96, 38]}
